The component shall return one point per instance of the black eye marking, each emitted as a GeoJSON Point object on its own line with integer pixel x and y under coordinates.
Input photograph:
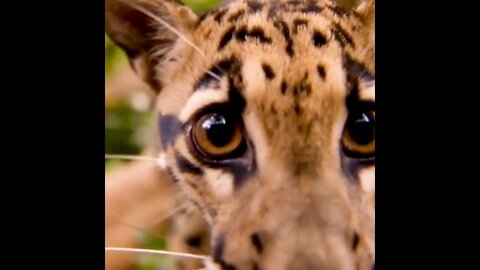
{"type": "Point", "coordinates": [342, 36]}
{"type": "Point", "coordinates": [267, 69]}
{"type": "Point", "coordinates": [321, 71]}
{"type": "Point", "coordinates": [170, 127]}
{"type": "Point", "coordinates": [319, 39]}
{"type": "Point", "coordinates": [186, 166]}
{"type": "Point", "coordinates": [226, 38]}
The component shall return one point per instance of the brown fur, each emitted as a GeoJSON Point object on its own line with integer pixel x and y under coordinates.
{"type": "Point", "coordinates": [299, 201]}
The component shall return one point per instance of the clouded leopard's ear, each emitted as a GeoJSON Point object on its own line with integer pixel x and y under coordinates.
{"type": "Point", "coordinates": [143, 29]}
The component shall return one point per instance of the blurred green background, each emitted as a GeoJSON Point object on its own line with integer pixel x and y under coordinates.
{"type": "Point", "coordinates": [128, 104]}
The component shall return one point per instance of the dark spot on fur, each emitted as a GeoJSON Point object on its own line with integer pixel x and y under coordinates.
{"type": "Point", "coordinates": [219, 16]}
{"type": "Point", "coordinates": [255, 266]}
{"type": "Point", "coordinates": [342, 36]}
{"type": "Point", "coordinates": [311, 8]}
{"type": "Point", "coordinates": [299, 23]}
{"type": "Point", "coordinates": [169, 126]}
{"type": "Point", "coordinates": [321, 71]}
{"type": "Point", "coordinates": [295, 2]}
{"type": "Point", "coordinates": [319, 39]}
{"type": "Point", "coordinates": [283, 27]}
{"type": "Point", "coordinates": [172, 175]}
{"type": "Point", "coordinates": [298, 110]}
{"type": "Point", "coordinates": [256, 33]}
{"type": "Point", "coordinates": [228, 65]}
{"type": "Point", "coordinates": [225, 66]}
{"type": "Point", "coordinates": [355, 241]}
{"type": "Point", "coordinates": [257, 242]}
{"type": "Point", "coordinates": [307, 88]}
{"type": "Point", "coordinates": [273, 110]}
{"type": "Point", "coordinates": [236, 101]}
{"type": "Point", "coordinates": [267, 69]}
{"type": "Point", "coordinates": [186, 166]}
{"type": "Point", "coordinates": [241, 34]}
{"type": "Point", "coordinates": [337, 10]}
{"type": "Point", "coordinates": [202, 17]}
{"type": "Point", "coordinates": [255, 6]}
{"type": "Point", "coordinates": [283, 87]}
{"type": "Point", "coordinates": [194, 241]}
{"type": "Point", "coordinates": [226, 37]}
{"type": "Point", "coordinates": [236, 16]}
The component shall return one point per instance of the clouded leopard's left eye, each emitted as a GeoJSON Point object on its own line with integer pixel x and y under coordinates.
{"type": "Point", "coordinates": [218, 136]}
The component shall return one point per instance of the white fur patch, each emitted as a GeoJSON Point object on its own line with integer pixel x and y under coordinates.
{"type": "Point", "coordinates": [367, 92]}
{"type": "Point", "coordinates": [254, 77]}
{"type": "Point", "coordinates": [367, 179]}
{"type": "Point", "coordinates": [201, 99]}
{"type": "Point", "coordinates": [162, 161]}
{"type": "Point", "coordinates": [220, 182]}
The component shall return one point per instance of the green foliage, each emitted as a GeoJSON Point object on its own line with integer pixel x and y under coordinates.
{"type": "Point", "coordinates": [201, 6]}
{"type": "Point", "coordinates": [114, 57]}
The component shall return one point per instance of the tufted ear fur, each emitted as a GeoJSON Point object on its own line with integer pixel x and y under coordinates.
{"type": "Point", "coordinates": [138, 27]}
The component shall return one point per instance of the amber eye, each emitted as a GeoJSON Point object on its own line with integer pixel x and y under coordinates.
{"type": "Point", "coordinates": [358, 137]}
{"type": "Point", "coordinates": [218, 136]}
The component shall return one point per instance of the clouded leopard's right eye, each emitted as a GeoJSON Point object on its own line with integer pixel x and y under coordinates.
{"type": "Point", "coordinates": [358, 139]}
{"type": "Point", "coordinates": [218, 136]}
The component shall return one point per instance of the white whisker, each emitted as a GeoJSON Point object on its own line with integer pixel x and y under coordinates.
{"type": "Point", "coordinates": [131, 157]}
{"type": "Point", "coordinates": [159, 252]}
{"type": "Point", "coordinates": [174, 211]}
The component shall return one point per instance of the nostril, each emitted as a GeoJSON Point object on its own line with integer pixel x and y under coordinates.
{"type": "Point", "coordinates": [257, 242]}
{"type": "Point", "coordinates": [218, 247]}
{"type": "Point", "coordinates": [194, 241]}
{"type": "Point", "coordinates": [356, 239]}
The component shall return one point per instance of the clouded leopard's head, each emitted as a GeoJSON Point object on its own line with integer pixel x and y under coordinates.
{"type": "Point", "coordinates": [266, 117]}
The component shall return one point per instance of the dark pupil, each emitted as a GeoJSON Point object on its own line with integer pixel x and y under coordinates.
{"type": "Point", "coordinates": [219, 130]}
{"type": "Point", "coordinates": [362, 128]}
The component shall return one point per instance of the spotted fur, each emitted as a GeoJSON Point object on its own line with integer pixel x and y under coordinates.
{"type": "Point", "coordinates": [293, 69]}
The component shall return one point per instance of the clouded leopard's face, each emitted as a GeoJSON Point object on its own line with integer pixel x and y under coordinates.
{"type": "Point", "coordinates": [266, 120]}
